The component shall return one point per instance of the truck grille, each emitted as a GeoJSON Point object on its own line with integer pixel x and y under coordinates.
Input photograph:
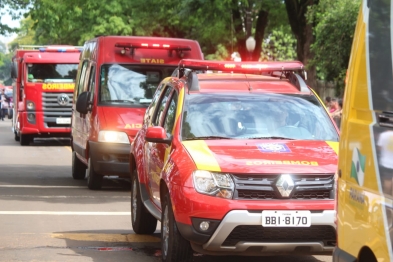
{"type": "Point", "coordinates": [53, 109]}
{"type": "Point", "coordinates": [261, 234]}
{"type": "Point", "coordinates": [262, 186]}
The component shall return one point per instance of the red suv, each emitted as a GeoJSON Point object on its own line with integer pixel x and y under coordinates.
{"type": "Point", "coordinates": [237, 162]}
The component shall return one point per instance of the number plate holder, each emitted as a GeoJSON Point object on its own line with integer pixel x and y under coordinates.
{"type": "Point", "coordinates": [63, 120]}
{"type": "Point", "coordinates": [283, 218]}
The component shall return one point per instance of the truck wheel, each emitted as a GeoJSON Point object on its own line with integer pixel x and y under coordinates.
{"type": "Point", "coordinates": [78, 168]}
{"type": "Point", "coordinates": [94, 180]}
{"type": "Point", "coordinates": [142, 221]}
{"type": "Point", "coordinates": [173, 246]}
{"type": "Point", "coordinates": [17, 138]}
{"type": "Point", "coordinates": [25, 140]}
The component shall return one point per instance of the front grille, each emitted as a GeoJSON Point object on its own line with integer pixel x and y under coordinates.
{"type": "Point", "coordinates": [260, 234]}
{"type": "Point", "coordinates": [52, 110]}
{"type": "Point", "coordinates": [263, 186]}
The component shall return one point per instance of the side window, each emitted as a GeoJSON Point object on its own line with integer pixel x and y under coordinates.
{"type": "Point", "coordinates": [169, 120]}
{"type": "Point", "coordinates": [161, 107]}
{"type": "Point", "coordinates": [152, 106]}
{"type": "Point", "coordinates": [92, 81]}
{"type": "Point", "coordinates": [80, 84]}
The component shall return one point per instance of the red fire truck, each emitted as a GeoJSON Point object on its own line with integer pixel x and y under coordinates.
{"type": "Point", "coordinates": [44, 80]}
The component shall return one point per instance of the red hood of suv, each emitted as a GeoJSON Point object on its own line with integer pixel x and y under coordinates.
{"type": "Point", "coordinates": [124, 119]}
{"type": "Point", "coordinates": [264, 156]}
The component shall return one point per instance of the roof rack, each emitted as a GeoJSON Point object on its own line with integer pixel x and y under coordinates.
{"type": "Point", "coordinates": [188, 67]}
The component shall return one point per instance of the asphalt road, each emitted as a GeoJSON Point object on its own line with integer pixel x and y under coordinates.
{"type": "Point", "coordinates": [45, 215]}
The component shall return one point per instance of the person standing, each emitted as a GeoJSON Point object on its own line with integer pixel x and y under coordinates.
{"type": "Point", "coordinates": [3, 100]}
{"type": "Point", "coordinates": [336, 115]}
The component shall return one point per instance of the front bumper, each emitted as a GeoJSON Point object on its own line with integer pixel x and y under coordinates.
{"type": "Point", "coordinates": [110, 159]}
{"type": "Point", "coordinates": [241, 233]}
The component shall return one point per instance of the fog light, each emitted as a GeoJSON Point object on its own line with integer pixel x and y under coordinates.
{"type": "Point", "coordinates": [204, 225]}
{"type": "Point", "coordinates": [31, 117]}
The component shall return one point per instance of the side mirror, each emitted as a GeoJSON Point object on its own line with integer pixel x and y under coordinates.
{"type": "Point", "coordinates": [14, 70]}
{"type": "Point", "coordinates": [83, 103]}
{"type": "Point", "coordinates": [157, 134]}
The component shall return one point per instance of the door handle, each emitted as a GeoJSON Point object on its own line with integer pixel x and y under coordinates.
{"type": "Point", "coordinates": [385, 119]}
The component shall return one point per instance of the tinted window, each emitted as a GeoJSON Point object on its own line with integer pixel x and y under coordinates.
{"type": "Point", "coordinates": [161, 107]}
{"type": "Point", "coordinates": [246, 116]}
{"type": "Point", "coordinates": [50, 73]}
{"type": "Point", "coordinates": [170, 115]}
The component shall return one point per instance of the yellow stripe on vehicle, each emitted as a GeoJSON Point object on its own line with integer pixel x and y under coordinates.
{"type": "Point", "coordinates": [333, 145]}
{"type": "Point", "coordinates": [201, 154]}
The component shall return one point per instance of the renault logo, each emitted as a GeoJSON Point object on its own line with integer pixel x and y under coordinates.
{"type": "Point", "coordinates": [285, 185]}
{"type": "Point", "coordinates": [63, 99]}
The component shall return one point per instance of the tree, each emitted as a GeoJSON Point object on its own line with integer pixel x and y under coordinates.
{"type": "Point", "coordinates": [303, 31]}
{"type": "Point", "coordinates": [15, 8]}
{"type": "Point", "coordinates": [335, 25]}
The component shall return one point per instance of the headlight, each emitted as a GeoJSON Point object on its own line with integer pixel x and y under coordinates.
{"type": "Point", "coordinates": [113, 137]}
{"type": "Point", "coordinates": [30, 105]}
{"type": "Point", "coordinates": [214, 184]}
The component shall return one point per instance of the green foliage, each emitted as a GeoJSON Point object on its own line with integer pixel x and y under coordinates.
{"type": "Point", "coordinates": [14, 8]}
{"type": "Point", "coordinates": [221, 54]}
{"type": "Point", "coordinates": [279, 46]}
{"type": "Point", "coordinates": [5, 65]}
{"type": "Point", "coordinates": [335, 25]}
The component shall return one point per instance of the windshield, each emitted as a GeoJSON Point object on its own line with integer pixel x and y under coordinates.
{"type": "Point", "coordinates": [131, 85]}
{"type": "Point", "coordinates": [51, 73]}
{"type": "Point", "coordinates": [254, 116]}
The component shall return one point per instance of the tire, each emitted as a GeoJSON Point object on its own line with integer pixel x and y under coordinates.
{"type": "Point", "coordinates": [94, 180]}
{"type": "Point", "coordinates": [142, 221]}
{"type": "Point", "coordinates": [173, 246]}
{"type": "Point", "coordinates": [16, 137]}
{"type": "Point", "coordinates": [25, 140]}
{"type": "Point", "coordinates": [78, 168]}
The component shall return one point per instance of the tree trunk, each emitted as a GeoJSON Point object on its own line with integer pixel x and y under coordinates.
{"type": "Point", "coordinates": [303, 31]}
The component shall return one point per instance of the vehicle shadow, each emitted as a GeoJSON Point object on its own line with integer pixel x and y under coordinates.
{"type": "Point", "coordinates": [145, 248]}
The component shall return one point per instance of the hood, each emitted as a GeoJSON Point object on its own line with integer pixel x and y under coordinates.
{"type": "Point", "coordinates": [264, 156]}
{"type": "Point", "coordinates": [123, 119]}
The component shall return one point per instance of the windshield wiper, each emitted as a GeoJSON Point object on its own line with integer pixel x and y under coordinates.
{"type": "Point", "coordinates": [271, 137]}
{"type": "Point", "coordinates": [208, 137]}
{"type": "Point", "coordinates": [119, 100]}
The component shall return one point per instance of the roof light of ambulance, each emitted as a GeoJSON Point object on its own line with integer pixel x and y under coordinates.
{"type": "Point", "coordinates": [166, 46]}
{"type": "Point", "coordinates": [61, 50]}
{"type": "Point", "coordinates": [156, 45]}
{"type": "Point", "coordinates": [42, 49]}
{"type": "Point", "coordinates": [230, 66]}
{"type": "Point", "coordinates": [145, 45]}
{"type": "Point", "coordinates": [256, 66]}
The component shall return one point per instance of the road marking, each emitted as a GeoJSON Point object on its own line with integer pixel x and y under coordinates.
{"type": "Point", "coordinates": [106, 237]}
{"type": "Point", "coordinates": [33, 186]}
{"type": "Point", "coordinates": [65, 213]}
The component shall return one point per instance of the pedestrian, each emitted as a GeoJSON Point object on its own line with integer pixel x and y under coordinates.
{"type": "Point", "coordinates": [3, 104]}
{"type": "Point", "coordinates": [333, 106]}
{"type": "Point", "coordinates": [328, 100]}
{"type": "Point", "coordinates": [336, 115]}
{"type": "Point", "coordinates": [385, 146]}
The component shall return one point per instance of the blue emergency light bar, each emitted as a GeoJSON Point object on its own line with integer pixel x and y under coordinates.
{"type": "Point", "coordinates": [60, 49]}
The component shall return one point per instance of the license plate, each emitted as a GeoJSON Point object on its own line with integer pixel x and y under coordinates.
{"type": "Point", "coordinates": [282, 218]}
{"type": "Point", "coordinates": [61, 120]}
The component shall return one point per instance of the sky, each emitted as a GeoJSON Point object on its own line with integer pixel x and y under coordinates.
{"type": "Point", "coordinates": [6, 19]}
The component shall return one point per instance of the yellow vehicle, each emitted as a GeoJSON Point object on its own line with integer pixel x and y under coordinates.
{"type": "Point", "coordinates": [365, 169]}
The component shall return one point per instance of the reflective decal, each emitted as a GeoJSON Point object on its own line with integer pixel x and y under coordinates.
{"type": "Point", "coordinates": [58, 86]}
{"type": "Point", "coordinates": [129, 126]}
{"type": "Point", "coordinates": [333, 145]}
{"type": "Point", "coordinates": [282, 162]}
{"type": "Point", "coordinates": [201, 154]}
{"type": "Point", "coordinates": [357, 166]}
{"type": "Point", "coordinates": [273, 147]}
{"type": "Point", "coordinates": [152, 61]}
